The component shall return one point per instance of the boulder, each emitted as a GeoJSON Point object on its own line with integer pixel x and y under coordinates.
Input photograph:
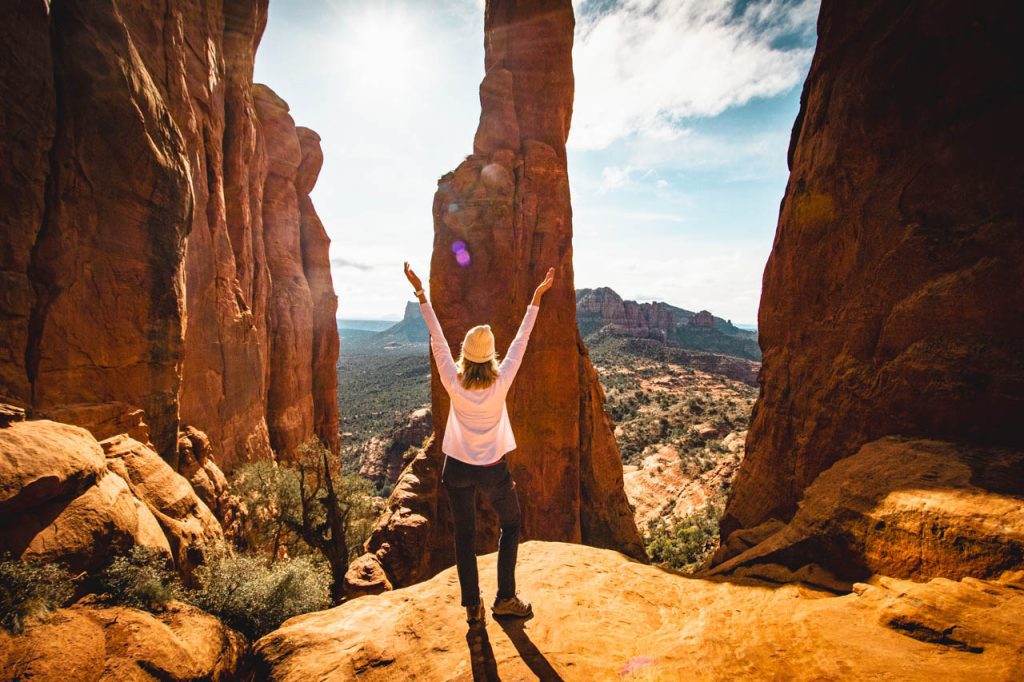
{"type": "Point", "coordinates": [916, 509]}
{"type": "Point", "coordinates": [600, 615]}
{"type": "Point", "coordinates": [189, 525]}
{"type": "Point", "coordinates": [85, 532]}
{"type": "Point", "coordinates": [91, 642]}
{"type": "Point", "coordinates": [43, 460]}
{"type": "Point", "coordinates": [59, 502]}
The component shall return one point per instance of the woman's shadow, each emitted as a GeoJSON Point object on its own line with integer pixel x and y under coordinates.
{"type": "Point", "coordinates": [482, 656]}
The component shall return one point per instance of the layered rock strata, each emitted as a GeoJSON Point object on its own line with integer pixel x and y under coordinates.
{"type": "Point", "coordinates": [891, 300]}
{"type": "Point", "coordinates": [142, 267]}
{"type": "Point", "coordinates": [501, 219]}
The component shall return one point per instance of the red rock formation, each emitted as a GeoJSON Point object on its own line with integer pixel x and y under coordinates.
{"type": "Point", "coordinates": [600, 616]}
{"type": "Point", "coordinates": [702, 319]}
{"type": "Point", "coordinates": [142, 269]}
{"type": "Point", "coordinates": [892, 299]}
{"type": "Point", "coordinates": [27, 128]}
{"type": "Point", "coordinates": [509, 204]}
{"type": "Point", "coordinates": [384, 457]}
{"type": "Point", "coordinates": [916, 509]}
{"type": "Point", "coordinates": [290, 396]}
{"type": "Point", "coordinates": [602, 307]}
{"type": "Point", "coordinates": [316, 264]}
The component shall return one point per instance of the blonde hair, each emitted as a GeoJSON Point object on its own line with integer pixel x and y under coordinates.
{"type": "Point", "coordinates": [477, 375]}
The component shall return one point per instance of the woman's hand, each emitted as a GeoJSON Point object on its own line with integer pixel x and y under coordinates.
{"type": "Point", "coordinates": [549, 279]}
{"type": "Point", "coordinates": [417, 285]}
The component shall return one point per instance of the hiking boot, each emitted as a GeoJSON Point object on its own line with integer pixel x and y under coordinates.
{"type": "Point", "coordinates": [513, 607]}
{"type": "Point", "coordinates": [475, 614]}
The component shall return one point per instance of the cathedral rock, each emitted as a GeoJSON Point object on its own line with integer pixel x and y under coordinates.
{"type": "Point", "coordinates": [160, 258]}
{"type": "Point", "coordinates": [892, 300]}
{"type": "Point", "coordinates": [501, 219]}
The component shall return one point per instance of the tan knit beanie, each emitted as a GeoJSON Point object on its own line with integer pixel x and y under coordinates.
{"type": "Point", "coordinates": [478, 346]}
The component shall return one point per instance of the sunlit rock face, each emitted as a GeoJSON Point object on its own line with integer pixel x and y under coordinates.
{"type": "Point", "coordinates": [892, 299]}
{"type": "Point", "coordinates": [142, 268]}
{"type": "Point", "coordinates": [501, 219]}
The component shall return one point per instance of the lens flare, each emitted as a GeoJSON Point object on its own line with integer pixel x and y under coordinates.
{"type": "Point", "coordinates": [462, 257]}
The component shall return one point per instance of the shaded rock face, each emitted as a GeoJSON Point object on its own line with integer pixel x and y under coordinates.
{"type": "Point", "coordinates": [140, 265]}
{"type": "Point", "coordinates": [588, 626]}
{"type": "Point", "coordinates": [508, 205]}
{"type": "Point", "coordinates": [91, 642]}
{"type": "Point", "coordinates": [891, 300]}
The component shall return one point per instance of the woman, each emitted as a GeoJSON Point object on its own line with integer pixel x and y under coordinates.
{"type": "Point", "coordinates": [477, 437]}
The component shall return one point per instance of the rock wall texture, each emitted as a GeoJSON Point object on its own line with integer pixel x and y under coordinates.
{"type": "Point", "coordinates": [892, 301]}
{"type": "Point", "coordinates": [501, 219]}
{"type": "Point", "coordinates": [159, 248]}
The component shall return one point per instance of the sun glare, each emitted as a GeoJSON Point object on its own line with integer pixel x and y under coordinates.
{"type": "Point", "coordinates": [384, 49]}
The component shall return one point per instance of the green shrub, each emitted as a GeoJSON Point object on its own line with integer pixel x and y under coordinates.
{"type": "Point", "coordinates": [140, 579]}
{"type": "Point", "coordinates": [685, 542]}
{"type": "Point", "coordinates": [31, 589]}
{"type": "Point", "coordinates": [253, 597]}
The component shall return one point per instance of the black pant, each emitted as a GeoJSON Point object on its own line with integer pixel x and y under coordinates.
{"type": "Point", "coordinates": [462, 481]}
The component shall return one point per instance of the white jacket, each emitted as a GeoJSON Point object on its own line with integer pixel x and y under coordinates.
{"type": "Point", "coordinates": [478, 429]}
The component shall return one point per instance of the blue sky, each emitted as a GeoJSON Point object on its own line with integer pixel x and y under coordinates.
{"type": "Point", "coordinates": [677, 154]}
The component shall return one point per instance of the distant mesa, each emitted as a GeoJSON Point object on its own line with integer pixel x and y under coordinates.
{"type": "Point", "coordinates": [410, 329]}
{"type": "Point", "coordinates": [603, 309]}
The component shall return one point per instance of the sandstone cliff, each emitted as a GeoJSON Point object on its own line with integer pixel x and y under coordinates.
{"type": "Point", "coordinates": [892, 301]}
{"type": "Point", "coordinates": [159, 246]}
{"type": "Point", "coordinates": [500, 220]}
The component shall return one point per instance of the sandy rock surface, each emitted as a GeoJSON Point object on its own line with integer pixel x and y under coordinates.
{"type": "Point", "coordinates": [601, 616]}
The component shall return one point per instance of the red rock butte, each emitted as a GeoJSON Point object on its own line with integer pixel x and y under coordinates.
{"type": "Point", "coordinates": [508, 204]}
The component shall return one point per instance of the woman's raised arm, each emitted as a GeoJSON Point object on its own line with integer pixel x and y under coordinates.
{"type": "Point", "coordinates": [438, 344]}
{"type": "Point", "coordinates": [517, 349]}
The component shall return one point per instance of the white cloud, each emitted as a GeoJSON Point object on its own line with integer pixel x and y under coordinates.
{"type": "Point", "coordinates": [645, 65]}
{"type": "Point", "coordinates": [614, 177]}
